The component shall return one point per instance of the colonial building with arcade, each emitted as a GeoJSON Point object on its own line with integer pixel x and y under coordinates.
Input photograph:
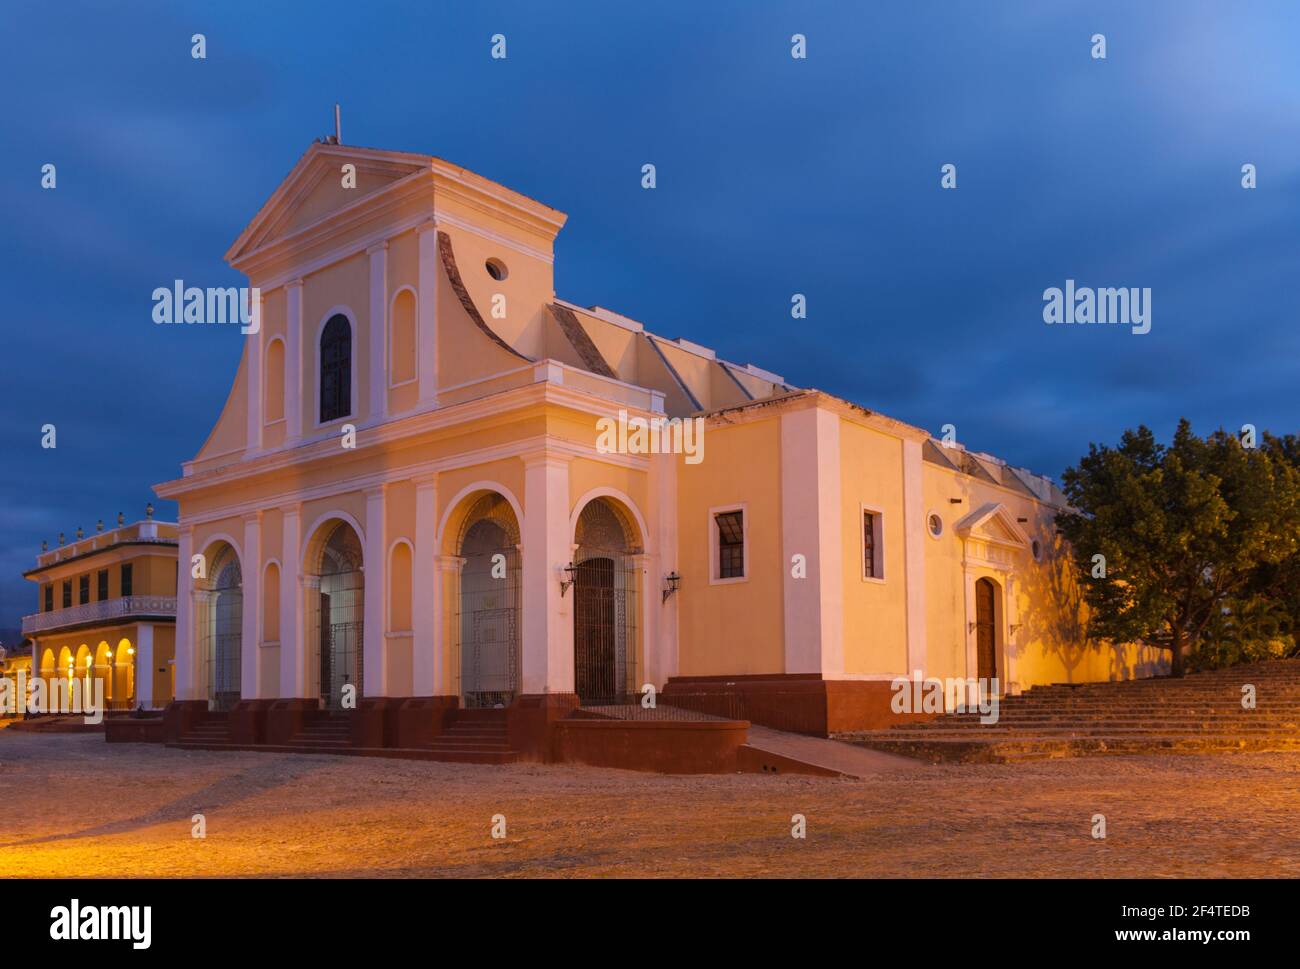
{"type": "Point", "coordinates": [404, 518]}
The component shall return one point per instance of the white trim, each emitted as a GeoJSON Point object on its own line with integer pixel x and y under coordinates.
{"type": "Point", "coordinates": [715, 566]}
{"type": "Point", "coordinates": [415, 333]}
{"type": "Point", "coordinates": [943, 526]}
{"type": "Point", "coordinates": [878, 543]}
{"type": "Point", "coordinates": [353, 381]}
{"type": "Point", "coordinates": [309, 534]}
{"type": "Point", "coordinates": [464, 492]}
{"type": "Point", "coordinates": [208, 542]}
{"type": "Point", "coordinates": [623, 499]}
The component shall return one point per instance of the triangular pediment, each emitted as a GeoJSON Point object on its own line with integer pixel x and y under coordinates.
{"type": "Point", "coordinates": [994, 524]}
{"type": "Point", "coordinates": [313, 191]}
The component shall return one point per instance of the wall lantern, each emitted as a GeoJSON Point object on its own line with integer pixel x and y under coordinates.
{"type": "Point", "coordinates": [671, 581]}
{"type": "Point", "coordinates": [569, 571]}
{"type": "Point", "coordinates": [148, 510]}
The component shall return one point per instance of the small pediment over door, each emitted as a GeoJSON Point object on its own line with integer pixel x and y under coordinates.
{"type": "Point", "coordinates": [993, 536]}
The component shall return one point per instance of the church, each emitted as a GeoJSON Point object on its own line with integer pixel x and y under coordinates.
{"type": "Point", "coordinates": [407, 515]}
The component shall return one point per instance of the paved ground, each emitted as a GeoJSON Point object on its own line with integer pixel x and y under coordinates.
{"type": "Point", "coordinates": [73, 805]}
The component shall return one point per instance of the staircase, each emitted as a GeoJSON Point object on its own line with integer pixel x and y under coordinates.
{"type": "Point", "coordinates": [474, 737]}
{"type": "Point", "coordinates": [211, 733]}
{"type": "Point", "coordinates": [328, 733]}
{"type": "Point", "coordinates": [1200, 713]}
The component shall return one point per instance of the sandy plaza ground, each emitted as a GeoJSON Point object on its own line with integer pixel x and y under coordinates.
{"type": "Point", "coordinates": [76, 806]}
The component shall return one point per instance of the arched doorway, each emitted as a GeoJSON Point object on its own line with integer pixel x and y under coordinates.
{"type": "Point", "coordinates": [104, 673]}
{"type": "Point", "coordinates": [986, 626]}
{"type": "Point", "coordinates": [222, 619]}
{"type": "Point", "coordinates": [49, 673]}
{"type": "Point", "coordinates": [604, 604]}
{"type": "Point", "coordinates": [124, 672]}
{"type": "Point", "coordinates": [488, 604]}
{"type": "Point", "coordinates": [340, 617]}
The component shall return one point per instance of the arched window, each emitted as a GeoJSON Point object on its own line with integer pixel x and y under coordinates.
{"type": "Point", "coordinates": [336, 369]}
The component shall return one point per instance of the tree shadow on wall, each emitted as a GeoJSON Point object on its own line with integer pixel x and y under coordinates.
{"type": "Point", "coordinates": [1055, 617]}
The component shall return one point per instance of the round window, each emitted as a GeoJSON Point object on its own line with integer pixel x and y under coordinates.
{"type": "Point", "coordinates": [935, 524]}
{"type": "Point", "coordinates": [1036, 549]}
{"type": "Point", "coordinates": [496, 269]}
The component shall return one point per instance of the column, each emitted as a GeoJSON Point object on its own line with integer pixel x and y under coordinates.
{"type": "Point", "coordinates": [663, 488]}
{"type": "Point", "coordinates": [293, 347]}
{"type": "Point", "coordinates": [375, 669]}
{"type": "Point", "coordinates": [378, 330]}
{"type": "Point", "coordinates": [145, 667]}
{"type": "Point", "coordinates": [249, 635]}
{"type": "Point", "coordinates": [430, 282]}
{"type": "Point", "coordinates": [426, 592]}
{"type": "Point", "coordinates": [647, 660]}
{"type": "Point", "coordinates": [445, 638]}
{"type": "Point", "coordinates": [812, 526]}
{"type": "Point", "coordinates": [914, 538]}
{"type": "Point", "coordinates": [293, 659]}
{"type": "Point", "coordinates": [254, 345]}
{"type": "Point", "coordinates": [547, 549]}
{"type": "Point", "coordinates": [185, 645]}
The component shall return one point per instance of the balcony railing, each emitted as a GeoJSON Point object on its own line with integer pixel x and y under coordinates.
{"type": "Point", "coordinates": [94, 612]}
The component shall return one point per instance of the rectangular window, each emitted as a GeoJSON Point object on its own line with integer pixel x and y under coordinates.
{"type": "Point", "coordinates": [873, 546]}
{"type": "Point", "coordinates": [67, 595]}
{"type": "Point", "coordinates": [83, 589]}
{"type": "Point", "coordinates": [101, 581]}
{"type": "Point", "coordinates": [731, 544]}
{"type": "Point", "coordinates": [126, 580]}
{"type": "Point", "coordinates": [49, 597]}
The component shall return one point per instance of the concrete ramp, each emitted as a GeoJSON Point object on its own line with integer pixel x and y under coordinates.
{"type": "Point", "coordinates": [779, 752]}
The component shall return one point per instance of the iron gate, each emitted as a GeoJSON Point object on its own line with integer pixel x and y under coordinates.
{"type": "Point", "coordinates": [488, 619]}
{"type": "Point", "coordinates": [339, 619]}
{"type": "Point", "coordinates": [224, 628]}
{"type": "Point", "coordinates": [604, 627]}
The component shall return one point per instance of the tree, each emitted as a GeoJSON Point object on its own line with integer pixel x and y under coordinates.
{"type": "Point", "coordinates": [1185, 530]}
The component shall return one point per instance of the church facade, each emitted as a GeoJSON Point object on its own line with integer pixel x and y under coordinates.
{"type": "Point", "coordinates": [411, 480]}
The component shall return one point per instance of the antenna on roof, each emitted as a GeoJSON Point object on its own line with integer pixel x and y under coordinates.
{"type": "Point", "coordinates": [338, 125]}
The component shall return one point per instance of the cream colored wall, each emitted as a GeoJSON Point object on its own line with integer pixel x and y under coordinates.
{"type": "Point", "coordinates": [344, 284]}
{"type": "Point", "coordinates": [875, 612]}
{"type": "Point", "coordinates": [527, 288]}
{"type": "Point", "coordinates": [733, 628]}
{"type": "Point", "coordinates": [1044, 601]}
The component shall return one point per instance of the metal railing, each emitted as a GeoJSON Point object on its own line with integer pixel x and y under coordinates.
{"type": "Point", "coordinates": [107, 610]}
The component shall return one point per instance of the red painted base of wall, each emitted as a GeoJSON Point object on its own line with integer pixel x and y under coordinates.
{"type": "Point", "coordinates": [530, 719]}
{"type": "Point", "coordinates": [180, 716]}
{"type": "Point", "coordinates": [685, 747]}
{"type": "Point", "coordinates": [418, 720]}
{"type": "Point", "coordinates": [799, 702]}
{"type": "Point", "coordinates": [134, 730]}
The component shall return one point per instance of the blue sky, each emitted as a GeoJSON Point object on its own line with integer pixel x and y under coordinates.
{"type": "Point", "coordinates": [775, 176]}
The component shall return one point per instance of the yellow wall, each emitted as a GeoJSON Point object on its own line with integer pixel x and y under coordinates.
{"type": "Point", "coordinates": [734, 628]}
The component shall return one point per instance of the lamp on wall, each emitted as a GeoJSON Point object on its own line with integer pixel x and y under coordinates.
{"type": "Point", "coordinates": [569, 571]}
{"type": "Point", "coordinates": [670, 584]}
